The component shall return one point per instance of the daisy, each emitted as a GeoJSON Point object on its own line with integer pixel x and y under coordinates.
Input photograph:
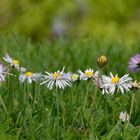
{"type": "Point", "coordinates": [88, 74]}
{"type": "Point", "coordinates": [29, 76]}
{"type": "Point", "coordinates": [3, 72]}
{"type": "Point", "coordinates": [111, 83]}
{"type": "Point", "coordinates": [124, 116]}
{"type": "Point", "coordinates": [13, 63]}
{"type": "Point", "coordinates": [72, 77]}
{"type": "Point", "coordinates": [134, 63]}
{"type": "Point", "coordinates": [99, 83]}
{"type": "Point", "coordinates": [57, 79]}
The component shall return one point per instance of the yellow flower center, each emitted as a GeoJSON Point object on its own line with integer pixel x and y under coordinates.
{"type": "Point", "coordinates": [115, 79]}
{"type": "Point", "coordinates": [74, 77]}
{"type": "Point", "coordinates": [28, 73]}
{"type": "Point", "coordinates": [89, 73]}
{"type": "Point", "coordinates": [55, 75]}
{"type": "Point", "coordinates": [135, 84]}
{"type": "Point", "coordinates": [16, 62]}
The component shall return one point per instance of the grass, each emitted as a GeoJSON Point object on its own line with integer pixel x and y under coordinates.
{"type": "Point", "coordinates": [84, 114]}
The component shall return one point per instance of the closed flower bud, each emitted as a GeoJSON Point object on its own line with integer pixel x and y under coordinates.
{"type": "Point", "coordinates": [102, 61]}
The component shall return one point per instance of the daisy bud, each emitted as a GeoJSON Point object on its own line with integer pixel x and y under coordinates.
{"type": "Point", "coordinates": [102, 61]}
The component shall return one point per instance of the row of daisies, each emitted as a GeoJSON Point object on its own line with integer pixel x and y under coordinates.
{"type": "Point", "coordinates": [60, 79]}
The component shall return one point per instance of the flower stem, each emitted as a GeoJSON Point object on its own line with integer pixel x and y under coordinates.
{"type": "Point", "coordinates": [100, 78]}
{"type": "Point", "coordinates": [25, 92]}
{"type": "Point", "coordinates": [2, 103]}
{"type": "Point", "coordinates": [35, 94]}
{"type": "Point", "coordinates": [131, 109]}
{"type": "Point", "coordinates": [100, 101]}
{"type": "Point", "coordinates": [10, 94]}
{"type": "Point", "coordinates": [86, 97]}
{"type": "Point", "coordinates": [57, 106]}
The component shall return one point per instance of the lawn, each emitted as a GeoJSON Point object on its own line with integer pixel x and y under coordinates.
{"type": "Point", "coordinates": [30, 111]}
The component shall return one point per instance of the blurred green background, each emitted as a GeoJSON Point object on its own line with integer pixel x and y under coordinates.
{"type": "Point", "coordinates": [48, 19]}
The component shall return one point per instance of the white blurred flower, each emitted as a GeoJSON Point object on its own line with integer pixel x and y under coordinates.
{"type": "Point", "coordinates": [29, 76]}
{"type": "Point", "coordinates": [124, 116]}
{"type": "Point", "coordinates": [72, 76]}
{"type": "Point", "coordinates": [88, 74]}
{"type": "Point", "coordinates": [3, 72]}
{"type": "Point", "coordinates": [13, 63]}
{"type": "Point", "coordinates": [111, 83]}
{"type": "Point", "coordinates": [99, 83]}
{"type": "Point", "coordinates": [57, 79]}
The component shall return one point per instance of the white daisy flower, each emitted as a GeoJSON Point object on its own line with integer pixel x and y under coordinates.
{"type": "Point", "coordinates": [88, 74]}
{"type": "Point", "coordinates": [3, 72]}
{"type": "Point", "coordinates": [99, 83]}
{"type": "Point", "coordinates": [57, 79]}
{"type": "Point", "coordinates": [72, 77]}
{"type": "Point", "coordinates": [111, 83]}
{"type": "Point", "coordinates": [29, 76]}
{"type": "Point", "coordinates": [124, 116]}
{"type": "Point", "coordinates": [13, 63]}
